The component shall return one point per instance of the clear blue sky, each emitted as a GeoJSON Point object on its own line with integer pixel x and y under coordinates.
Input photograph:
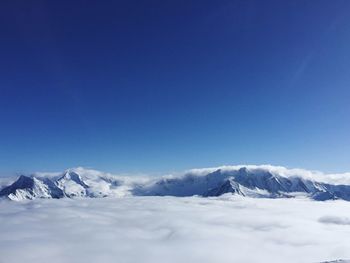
{"type": "Point", "coordinates": [144, 86]}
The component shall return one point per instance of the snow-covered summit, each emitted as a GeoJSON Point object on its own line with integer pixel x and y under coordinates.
{"type": "Point", "coordinates": [252, 181]}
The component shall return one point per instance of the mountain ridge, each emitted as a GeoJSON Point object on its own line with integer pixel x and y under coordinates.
{"type": "Point", "coordinates": [249, 181]}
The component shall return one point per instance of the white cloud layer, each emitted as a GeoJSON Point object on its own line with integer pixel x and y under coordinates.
{"type": "Point", "coordinates": [171, 229]}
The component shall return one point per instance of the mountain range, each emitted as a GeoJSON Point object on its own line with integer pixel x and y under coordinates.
{"type": "Point", "coordinates": [250, 181]}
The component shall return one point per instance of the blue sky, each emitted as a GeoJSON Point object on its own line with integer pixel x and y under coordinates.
{"type": "Point", "coordinates": [139, 86]}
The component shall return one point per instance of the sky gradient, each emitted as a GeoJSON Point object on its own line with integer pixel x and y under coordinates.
{"type": "Point", "coordinates": [158, 86]}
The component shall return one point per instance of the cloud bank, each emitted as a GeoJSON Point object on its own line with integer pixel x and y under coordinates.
{"type": "Point", "coordinates": [170, 229]}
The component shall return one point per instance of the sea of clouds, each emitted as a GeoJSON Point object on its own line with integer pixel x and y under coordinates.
{"type": "Point", "coordinates": [171, 229]}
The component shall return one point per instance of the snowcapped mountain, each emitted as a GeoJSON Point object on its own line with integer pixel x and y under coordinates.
{"type": "Point", "coordinates": [72, 183]}
{"type": "Point", "coordinates": [251, 181]}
